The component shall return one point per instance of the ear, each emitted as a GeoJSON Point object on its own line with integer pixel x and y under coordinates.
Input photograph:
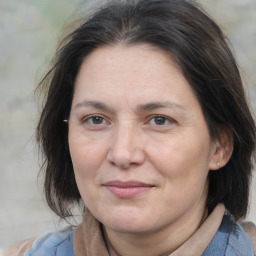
{"type": "Point", "coordinates": [222, 148]}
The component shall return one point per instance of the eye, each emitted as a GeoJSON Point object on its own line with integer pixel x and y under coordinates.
{"type": "Point", "coordinates": [95, 122]}
{"type": "Point", "coordinates": [160, 120]}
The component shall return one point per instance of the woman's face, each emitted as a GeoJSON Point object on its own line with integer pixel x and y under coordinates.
{"type": "Point", "coordinates": [138, 140]}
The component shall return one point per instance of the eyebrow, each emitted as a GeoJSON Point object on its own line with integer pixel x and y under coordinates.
{"type": "Point", "coordinates": [155, 105]}
{"type": "Point", "coordinates": [140, 109]}
{"type": "Point", "coordinates": [94, 104]}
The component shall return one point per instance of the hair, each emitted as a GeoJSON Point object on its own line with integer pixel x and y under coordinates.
{"type": "Point", "coordinates": [196, 43]}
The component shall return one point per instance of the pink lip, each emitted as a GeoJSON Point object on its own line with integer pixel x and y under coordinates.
{"type": "Point", "coordinates": [127, 189]}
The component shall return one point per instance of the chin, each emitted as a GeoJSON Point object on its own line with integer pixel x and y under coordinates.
{"type": "Point", "coordinates": [127, 227]}
{"type": "Point", "coordinates": [127, 222]}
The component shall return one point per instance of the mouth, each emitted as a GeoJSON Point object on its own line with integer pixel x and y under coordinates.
{"type": "Point", "coordinates": [127, 189]}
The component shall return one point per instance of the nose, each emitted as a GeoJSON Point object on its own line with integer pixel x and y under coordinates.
{"type": "Point", "coordinates": [126, 148]}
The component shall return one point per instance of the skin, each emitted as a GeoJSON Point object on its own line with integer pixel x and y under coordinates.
{"type": "Point", "coordinates": [114, 134]}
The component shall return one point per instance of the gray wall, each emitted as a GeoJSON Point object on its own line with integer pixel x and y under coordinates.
{"type": "Point", "coordinates": [29, 31]}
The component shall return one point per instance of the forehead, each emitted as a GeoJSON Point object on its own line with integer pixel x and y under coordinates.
{"type": "Point", "coordinates": [122, 60]}
{"type": "Point", "coordinates": [139, 71]}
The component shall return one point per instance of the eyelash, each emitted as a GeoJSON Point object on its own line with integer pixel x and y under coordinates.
{"type": "Point", "coordinates": [88, 120]}
{"type": "Point", "coordinates": [170, 120]}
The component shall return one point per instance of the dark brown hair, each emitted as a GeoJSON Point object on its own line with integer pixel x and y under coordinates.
{"type": "Point", "coordinates": [183, 30]}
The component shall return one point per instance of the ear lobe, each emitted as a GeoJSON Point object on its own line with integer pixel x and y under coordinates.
{"type": "Point", "coordinates": [223, 149]}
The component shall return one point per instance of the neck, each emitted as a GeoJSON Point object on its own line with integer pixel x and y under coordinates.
{"type": "Point", "coordinates": [160, 242]}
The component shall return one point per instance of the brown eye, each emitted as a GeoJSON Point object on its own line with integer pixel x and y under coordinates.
{"type": "Point", "coordinates": [160, 120]}
{"type": "Point", "coordinates": [95, 123]}
{"type": "Point", "coordinates": [97, 120]}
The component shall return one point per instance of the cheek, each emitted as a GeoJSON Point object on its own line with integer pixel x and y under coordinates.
{"type": "Point", "coordinates": [86, 161]}
{"type": "Point", "coordinates": [87, 155]}
{"type": "Point", "coordinates": [185, 176]}
{"type": "Point", "coordinates": [183, 161]}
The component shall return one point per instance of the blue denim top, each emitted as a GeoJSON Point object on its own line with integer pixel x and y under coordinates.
{"type": "Point", "coordinates": [229, 240]}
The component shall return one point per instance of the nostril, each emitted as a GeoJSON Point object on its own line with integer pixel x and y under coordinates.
{"type": "Point", "coordinates": [125, 159]}
{"type": "Point", "coordinates": [125, 149]}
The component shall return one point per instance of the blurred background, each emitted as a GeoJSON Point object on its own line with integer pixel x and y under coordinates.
{"type": "Point", "coordinates": [29, 31]}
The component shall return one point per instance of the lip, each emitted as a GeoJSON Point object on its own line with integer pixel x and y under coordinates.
{"type": "Point", "coordinates": [127, 189]}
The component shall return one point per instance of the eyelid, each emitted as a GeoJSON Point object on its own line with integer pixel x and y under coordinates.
{"type": "Point", "coordinates": [106, 121]}
{"type": "Point", "coordinates": [171, 120]}
{"type": "Point", "coordinates": [86, 118]}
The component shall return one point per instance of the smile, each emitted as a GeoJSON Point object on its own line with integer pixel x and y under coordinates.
{"type": "Point", "coordinates": [127, 189]}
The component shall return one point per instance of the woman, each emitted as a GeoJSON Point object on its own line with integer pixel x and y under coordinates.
{"type": "Point", "coordinates": [146, 123]}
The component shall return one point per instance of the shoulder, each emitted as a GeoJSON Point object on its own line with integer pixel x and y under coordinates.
{"type": "Point", "coordinates": [230, 240]}
{"type": "Point", "coordinates": [55, 244]}
{"type": "Point", "coordinates": [19, 248]}
{"type": "Point", "coordinates": [238, 242]}
{"type": "Point", "coordinates": [250, 229]}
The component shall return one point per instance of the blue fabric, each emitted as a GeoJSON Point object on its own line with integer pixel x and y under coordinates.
{"type": "Point", "coordinates": [53, 244]}
{"type": "Point", "coordinates": [229, 240]}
